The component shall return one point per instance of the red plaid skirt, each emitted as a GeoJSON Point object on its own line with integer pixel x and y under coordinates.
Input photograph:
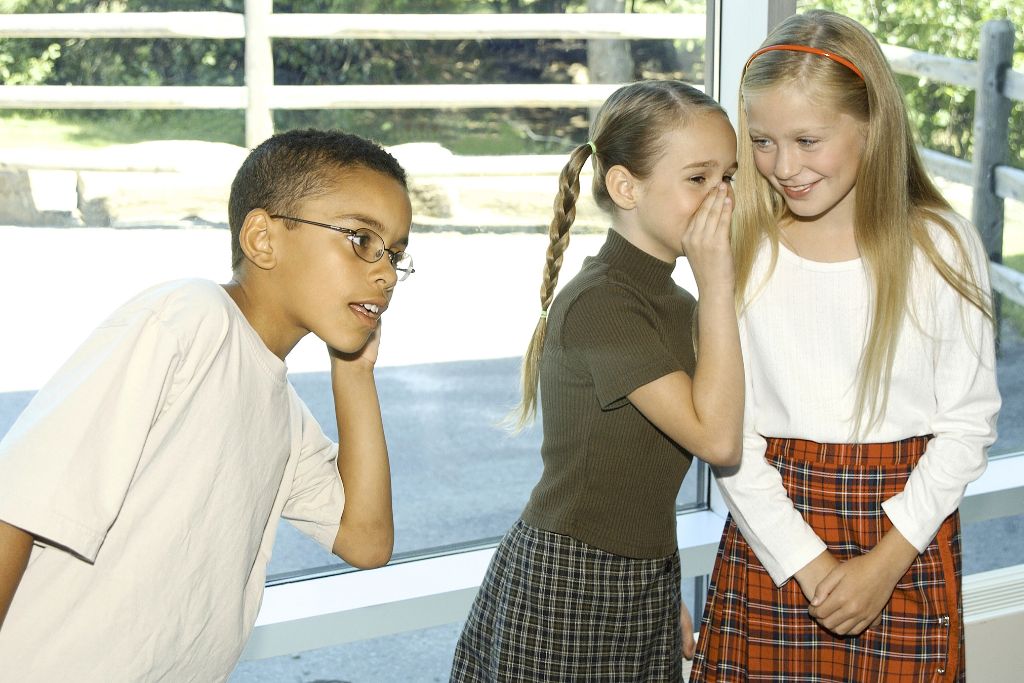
{"type": "Point", "coordinates": [755, 631]}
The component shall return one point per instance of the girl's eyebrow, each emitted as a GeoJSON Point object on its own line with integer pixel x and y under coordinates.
{"type": "Point", "coordinates": [796, 132]}
{"type": "Point", "coordinates": [701, 164]}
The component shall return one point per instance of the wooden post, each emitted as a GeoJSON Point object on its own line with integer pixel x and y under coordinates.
{"type": "Point", "coordinates": [608, 61]}
{"type": "Point", "coordinates": [780, 10]}
{"type": "Point", "coordinates": [259, 72]}
{"type": "Point", "coordinates": [991, 131]}
{"type": "Point", "coordinates": [991, 138]}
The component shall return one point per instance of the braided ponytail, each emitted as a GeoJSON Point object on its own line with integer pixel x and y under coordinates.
{"type": "Point", "coordinates": [558, 233]}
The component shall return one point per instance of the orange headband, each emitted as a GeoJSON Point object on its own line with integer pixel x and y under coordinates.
{"type": "Point", "coordinates": [806, 48]}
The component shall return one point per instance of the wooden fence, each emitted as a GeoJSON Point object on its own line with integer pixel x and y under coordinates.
{"type": "Point", "coordinates": [997, 85]}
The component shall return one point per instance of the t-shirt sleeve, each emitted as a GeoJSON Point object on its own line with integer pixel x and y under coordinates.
{"type": "Point", "coordinates": [67, 462]}
{"type": "Point", "coordinates": [616, 336]}
{"type": "Point", "coordinates": [317, 496]}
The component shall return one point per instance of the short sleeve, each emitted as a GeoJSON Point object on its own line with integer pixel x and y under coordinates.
{"type": "Point", "coordinates": [317, 496]}
{"type": "Point", "coordinates": [616, 335]}
{"type": "Point", "coordinates": [66, 463]}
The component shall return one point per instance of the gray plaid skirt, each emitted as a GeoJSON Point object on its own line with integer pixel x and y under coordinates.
{"type": "Point", "coordinates": [552, 608]}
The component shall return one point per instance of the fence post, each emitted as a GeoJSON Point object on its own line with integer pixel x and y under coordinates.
{"type": "Point", "coordinates": [991, 132]}
{"type": "Point", "coordinates": [259, 72]}
{"type": "Point", "coordinates": [991, 140]}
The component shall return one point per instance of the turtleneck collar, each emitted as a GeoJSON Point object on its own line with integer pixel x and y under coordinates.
{"type": "Point", "coordinates": [648, 271]}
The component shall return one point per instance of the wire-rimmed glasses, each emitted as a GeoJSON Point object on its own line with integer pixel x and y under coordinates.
{"type": "Point", "coordinates": [367, 245]}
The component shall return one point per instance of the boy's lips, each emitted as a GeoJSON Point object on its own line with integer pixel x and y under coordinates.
{"type": "Point", "coordinates": [369, 310]}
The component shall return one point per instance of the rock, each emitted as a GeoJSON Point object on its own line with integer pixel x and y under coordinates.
{"type": "Point", "coordinates": [429, 199]}
{"type": "Point", "coordinates": [118, 199]}
{"type": "Point", "coordinates": [38, 198]}
{"type": "Point", "coordinates": [16, 205]}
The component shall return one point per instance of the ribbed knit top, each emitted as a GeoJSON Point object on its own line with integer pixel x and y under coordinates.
{"type": "Point", "coordinates": [610, 477]}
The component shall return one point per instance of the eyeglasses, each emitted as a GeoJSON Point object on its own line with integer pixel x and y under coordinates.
{"type": "Point", "coordinates": [367, 245]}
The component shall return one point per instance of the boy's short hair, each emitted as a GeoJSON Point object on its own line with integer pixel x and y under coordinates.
{"type": "Point", "coordinates": [289, 167]}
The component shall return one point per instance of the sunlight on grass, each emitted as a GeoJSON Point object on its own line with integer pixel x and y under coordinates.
{"type": "Point", "coordinates": [101, 128]}
{"type": "Point", "coordinates": [20, 133]}
{"type": "Point", "coordinates": [481, 132]}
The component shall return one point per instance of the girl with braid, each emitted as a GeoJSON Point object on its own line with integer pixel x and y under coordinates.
{"type": "Point", "coordinates": [586, 585]}
{"type": "Point", "coordinates": [871, 392]}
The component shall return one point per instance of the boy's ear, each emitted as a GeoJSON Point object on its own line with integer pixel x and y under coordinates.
{"type": "Point", "coordinates": [257, 240]}
{"type": "Point", "coordinates": [623, 187]}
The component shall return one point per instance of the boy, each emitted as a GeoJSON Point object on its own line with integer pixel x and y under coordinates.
{"type": "Point", "coordinates": [142, 486]}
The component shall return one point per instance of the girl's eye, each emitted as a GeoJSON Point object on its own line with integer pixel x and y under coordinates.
{"type": "Point", "coordinates": [760, 143]}
{"type": "Point", "coordinates": [806, 142]}
{"type": "Point", "coordinates": [727, 179]}
{"type": "Point", "coordinates": [698, 180]}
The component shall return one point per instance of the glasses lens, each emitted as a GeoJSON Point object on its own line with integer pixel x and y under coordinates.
{"type": "Point", "coordinates": [403, 265]}
{"type": "Point", "coordinates": [368, 245]}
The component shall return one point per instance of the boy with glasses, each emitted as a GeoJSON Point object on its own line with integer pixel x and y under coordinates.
{"type": "Point", "coordinates": [140, 490]}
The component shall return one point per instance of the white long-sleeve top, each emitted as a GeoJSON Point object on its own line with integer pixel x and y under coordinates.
{"type": "Point", "coordinates": [802, 336]}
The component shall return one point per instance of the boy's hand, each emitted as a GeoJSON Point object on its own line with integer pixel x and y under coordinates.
{"type": "Point", "coordinates": [706, 240]}
{"type": "Point", "coordinates": [686, 624]}
{"type": "Point", "coordinates": [851, 598]}
{"type": "Point", "coordinates": [366, 355]}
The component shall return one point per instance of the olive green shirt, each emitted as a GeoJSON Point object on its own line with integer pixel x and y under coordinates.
{"type": "Point", "coordinates": [611, 477]}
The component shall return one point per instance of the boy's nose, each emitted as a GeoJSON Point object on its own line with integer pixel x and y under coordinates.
{"type": "Point", "coordinates": [384, 272]}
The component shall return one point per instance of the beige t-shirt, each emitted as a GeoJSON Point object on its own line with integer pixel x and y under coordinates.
{"type": "Point", "coordinates": [156, 464]}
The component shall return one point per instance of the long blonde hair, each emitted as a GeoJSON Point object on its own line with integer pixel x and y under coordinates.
{"type": "Point", "coordinates": [627, 131]}
{"type": "Point", "coordinates": [895, 202]}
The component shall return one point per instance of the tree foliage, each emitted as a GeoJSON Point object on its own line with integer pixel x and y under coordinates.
{"type": "Point", "coordinates": [943, 114]}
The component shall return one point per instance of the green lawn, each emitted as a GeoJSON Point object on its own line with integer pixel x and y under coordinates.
{"type": "Point", "coordinates": [96, 129]}
{"type": "Point", "coordinates": [477, 132]}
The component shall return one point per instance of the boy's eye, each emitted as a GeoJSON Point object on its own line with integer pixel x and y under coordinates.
{"type": "Point", "coordinates": [806, 142]}
{"type": "Point", "coordinates": [361, 240]}
{"type": "Point", "coordinates": [760, 143]}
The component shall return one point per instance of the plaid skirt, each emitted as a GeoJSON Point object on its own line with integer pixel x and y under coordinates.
{"type": "Point", "coordinates": [552, 608]}
{"type": "Point", "coordinates": [755, 631]}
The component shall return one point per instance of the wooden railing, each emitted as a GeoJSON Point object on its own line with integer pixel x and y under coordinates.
{"type": "Point", "coordinates": [994, 81]}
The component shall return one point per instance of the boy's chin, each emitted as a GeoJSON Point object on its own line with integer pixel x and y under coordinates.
{"type": "Point", "coordinates": [347, 345]}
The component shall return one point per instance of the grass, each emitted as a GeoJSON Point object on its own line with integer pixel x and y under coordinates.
{"type": "Point", "coordinates": [477, 132]}
{"type": "Point", "coordinates": [100, 128]}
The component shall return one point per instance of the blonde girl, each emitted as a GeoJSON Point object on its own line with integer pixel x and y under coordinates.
{"type": "Point", "coordinates": [871, 395]}
{"type": "Point", "coordinates": [585, 586]}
